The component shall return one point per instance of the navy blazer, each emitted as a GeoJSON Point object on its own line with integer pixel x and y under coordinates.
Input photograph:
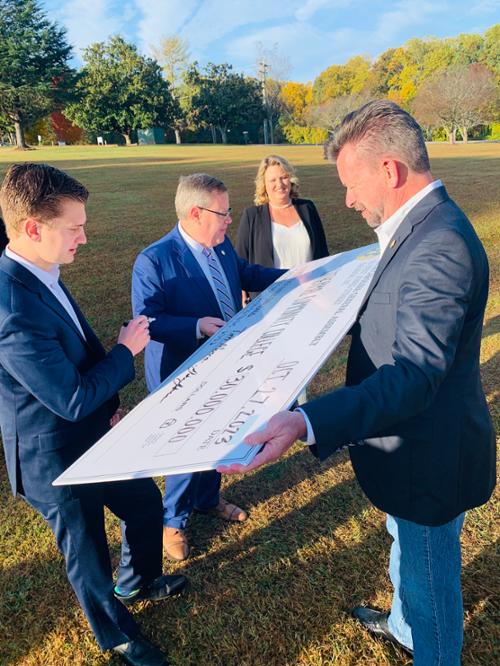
{"type": "Point", "coordinates": [168, 284]}
{"type": "Point", "coordinates": [255, 239]}
{"type": "Point", "coordinates": [413, 403]}
{"type": "Point", "coordinates": [57, 389]}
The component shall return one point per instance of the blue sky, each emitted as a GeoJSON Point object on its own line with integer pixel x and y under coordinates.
{"type": "Point", "coordinates": [310, 34]}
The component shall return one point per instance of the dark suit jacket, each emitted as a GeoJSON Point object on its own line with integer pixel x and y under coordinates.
{"type": "Point", "coordinates": [168, 284]}
{"type": "Point", "coordinates": [57, 390]}
{"type": "Point", "coordinates": [413, 401]}
{"type": "Point", "coordinates": [255, 241]}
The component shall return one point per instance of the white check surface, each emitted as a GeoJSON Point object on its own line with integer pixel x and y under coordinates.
{"type": "Point", "coordinates": [255, 366]}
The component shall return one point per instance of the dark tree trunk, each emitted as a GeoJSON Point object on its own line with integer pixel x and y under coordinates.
{"type": "Point", "coordinates": [20, 140]}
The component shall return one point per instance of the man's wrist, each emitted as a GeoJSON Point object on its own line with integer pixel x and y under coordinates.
{"type": "Point", "coordinates": [199, 334]}
{"type": "Point", "coordinates": [310, 439]}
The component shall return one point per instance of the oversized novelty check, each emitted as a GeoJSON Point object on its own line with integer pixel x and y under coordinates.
{"type": "Point", "coordinates": [253, 367]}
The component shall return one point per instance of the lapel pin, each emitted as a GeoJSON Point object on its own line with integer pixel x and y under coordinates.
{"type": "Point", "coordinates": [223, 253]}
{"type": "Point", "coordinates": [392, 243]}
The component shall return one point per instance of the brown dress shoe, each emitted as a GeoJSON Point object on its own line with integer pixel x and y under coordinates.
{"type": "Point", "coordinates": [175, 543]}
{"type": "Point", "coordinates": [228, 511]}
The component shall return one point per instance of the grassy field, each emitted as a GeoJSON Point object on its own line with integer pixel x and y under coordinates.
{"type": "Point", "coordinates": [277, 590]}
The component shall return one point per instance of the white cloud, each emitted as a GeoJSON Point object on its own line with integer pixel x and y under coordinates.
{"type": "Point", "coordinates": [89, 22]}
{"type": "Point", "coordinates": [161, 18]}
{"type": "Point", "coordinates": [301, 43]}
{"type": "Point", "coordinates": [484, 7]}
{"type": "Point", "coordinates": [403, 15]}
{"type": "Point", "coordinates": [312, 34]}
{"type": "Point", "coordinates": [202, 23]}
{"type": "Point", "coordinates": [310, 7]}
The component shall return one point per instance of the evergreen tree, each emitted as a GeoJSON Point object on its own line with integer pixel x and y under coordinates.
{"type": "Point", "coordinates": [35, 78]}
{"type": "Point", "coordinates": [120, 91]}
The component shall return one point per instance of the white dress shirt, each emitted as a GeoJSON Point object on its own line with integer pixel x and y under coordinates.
{"type": "Point", "coordinates": [384, 234]}
{"type": "Point", "coordinates": [51, 280]}
{"type": "Point", "coordinates": [389, 227]}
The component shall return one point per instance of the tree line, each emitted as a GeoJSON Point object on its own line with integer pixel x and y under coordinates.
{"type": "Point", "coordinates": [451, 85]}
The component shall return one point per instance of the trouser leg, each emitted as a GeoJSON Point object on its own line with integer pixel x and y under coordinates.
{"type": "Point", "coordinates": [78, 526]}
{"type": "Point", "coordinates": [138, 505]}
{"type": "Point", "coordinates": [398, 618]}
{"type": "Point", "coordinates": [429, 571]}
{"type": "Point", "coordinates": [185, 492]}
{"type": "Point", "coordinates": [178, 499]}
{"type": "Point", "coordinates": [207, 490]}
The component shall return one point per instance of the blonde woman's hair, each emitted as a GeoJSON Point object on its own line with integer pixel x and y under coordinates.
{"type": "Point", "coordinates": [260, 185]}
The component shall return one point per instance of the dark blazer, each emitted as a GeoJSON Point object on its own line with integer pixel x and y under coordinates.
{"type": "Point", "coordinates": [57, 390]}
{"type": "Point", "coordinates": [255, 241]}
{"type": "Point", "coordinates": [168, 284]}
{"type": "Point", "coordinates": [413, 402]}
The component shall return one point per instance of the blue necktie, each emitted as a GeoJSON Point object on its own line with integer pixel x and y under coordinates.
{"type": "Point", "coordinates": [223, 296]}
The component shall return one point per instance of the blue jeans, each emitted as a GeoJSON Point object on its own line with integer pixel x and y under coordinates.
{"type": "Point", "coordinates": [427, 613]}
{"type": "Point", "coordinates": [186, 492]}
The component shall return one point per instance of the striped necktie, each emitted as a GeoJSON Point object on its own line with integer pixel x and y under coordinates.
{"type": "Point", "coordinates": [223, 296]}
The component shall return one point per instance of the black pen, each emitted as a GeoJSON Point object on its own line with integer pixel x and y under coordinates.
{"type": "Point", "coordinates": [150, 320]}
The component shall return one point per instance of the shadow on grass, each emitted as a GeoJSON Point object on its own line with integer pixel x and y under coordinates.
{"type": "Point", "coordinates": [36, 599]}
{"type": "Point", "coordinates": [491, 327]}
{"type": "Point", "coordinates": [266, 485]}
{"type": "Point", "coordinates": [481, 591]}
{"type": "Point", "coordinates": [489, 376]}
{"type": "Point", "coordinates": [284, 585]}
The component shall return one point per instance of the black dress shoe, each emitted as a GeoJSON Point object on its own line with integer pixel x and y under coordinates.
{"type": "Point", "coordinates": [376, 623]}
{"type": "Point", "coordinates": [140, 652]}
{"type": "Point", "coordinates": [161, 588]}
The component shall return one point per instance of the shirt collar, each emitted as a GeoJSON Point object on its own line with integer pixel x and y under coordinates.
{"type": "Point", "coordinates": [191, 242]}
{"type": "Point", "coordinates": [389, 227]}
{"type": "Point", "coordinates": [49, 278]}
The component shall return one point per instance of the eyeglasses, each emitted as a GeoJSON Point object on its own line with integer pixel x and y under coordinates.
{"type": "Point", "coordinates": [226, 214]}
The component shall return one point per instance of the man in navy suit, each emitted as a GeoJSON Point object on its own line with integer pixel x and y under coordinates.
{"type": "Point", "coordinates": [413, 411]}
{"type": "Point", "coordinates": [58, 395]}
{"type": "Point", "coordinates": [190, 282]}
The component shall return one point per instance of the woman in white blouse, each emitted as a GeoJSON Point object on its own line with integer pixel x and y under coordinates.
{"type": "Point", "coordinates": [280, 230]}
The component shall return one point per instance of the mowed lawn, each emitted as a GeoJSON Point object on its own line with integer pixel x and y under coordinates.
{"type": "Point", "coordinates": [277, 590]}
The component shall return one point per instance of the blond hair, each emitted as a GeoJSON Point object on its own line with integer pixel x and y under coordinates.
{"type": "Point", "coordinates": [261, 196]}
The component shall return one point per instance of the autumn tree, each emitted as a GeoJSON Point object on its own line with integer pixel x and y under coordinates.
{"type": "Point", "coordinates": [35, 77]}
{"type": "Point", "coordinates": [459, 97]}
{"type": "Point", "coordinates": [339, 80]}
{"type": "Point", "coordinates": [490, 54]}
{"type": "Point", "coordinates": [331, 113]}
{"type": "Point", "coordinates": [297, 98]}
{"type": "Point", "coordinates": [120, 91]}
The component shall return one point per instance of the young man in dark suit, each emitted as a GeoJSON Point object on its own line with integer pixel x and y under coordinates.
{"type": "Point", "coordinates": [58, 394]}
{"type": "Point", "coordinates": [414, 411]}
